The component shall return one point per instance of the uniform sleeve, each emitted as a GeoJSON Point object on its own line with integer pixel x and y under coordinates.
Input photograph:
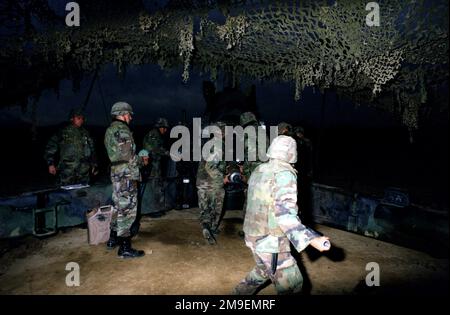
{"type": "Point", "coordinates": [91, 145]}
{"type": "Point", "coordinates": [52, 148]}
{"type": "Point", "coordinates": [250, 152]}
{"type": "Point", "coordinates": [119, 144]}
{"type": "Point", "coordinates": [214, 170]}
{"type": "Point", "coordinates": [286, 211]}
{"type": "Point", "coordinates": [215, 166]}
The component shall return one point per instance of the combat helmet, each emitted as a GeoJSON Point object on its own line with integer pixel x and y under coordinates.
{"type": "Point", "coordinates": [162, 123]}
{"type": "Point", "coordinates": [283, 148]}
{"type": "Point", "coordinates": [298, 130]}
{"type": "Point", "coordinates": [247, 118]}
{"type": "Point", "coordinates": [284, 125]}
{"type": "Point", "coordinates": [76, 112]}
{"type": "Point", "coordinates": [121, 108]}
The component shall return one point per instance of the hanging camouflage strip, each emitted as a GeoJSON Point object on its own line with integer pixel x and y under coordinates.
{"type": "Point", "coordinates": [326, 44]}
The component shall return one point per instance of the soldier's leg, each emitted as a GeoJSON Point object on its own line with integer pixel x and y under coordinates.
{"type": "Point", "coordinates": [257, 277]}
{"type": "Point", "coordinates": [219, 195]}
{"type": "Point", "coordinates": [112, 242]}
{"type": "Point", "coordinates": [127, 206]}
{"type": "Point", "coordinates": [203, 204]}
{"type": "Point", "coordinates": [287, 279]}
{"type": "Point", "coordinates": [126, 215]}
{"type": "Point", "coordinates": [67, 173]}
{"type": "Point", "coordinates": [83, 172]}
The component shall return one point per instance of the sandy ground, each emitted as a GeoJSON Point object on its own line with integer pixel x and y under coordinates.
{"type": "Point", "coordinates": [179, 261]}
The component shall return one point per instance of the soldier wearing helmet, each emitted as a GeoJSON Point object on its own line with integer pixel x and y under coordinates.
{"type": "Point", "coordinates": [154, 144]}
{"type": "Point", "coordinates": [272, 223]}
{"type": "Point", "coordinates": [210, 180]}
{"type": "Point", "coordinates": [284, 129]}
{"type": "Point", "coordinates": [305, 177]}
{"type": "Point", "coordinates": [71, 152]}
{"type": "Point", "coordinates": [251, 147]}
{"type": "Point", "coordinates": [125, 175]}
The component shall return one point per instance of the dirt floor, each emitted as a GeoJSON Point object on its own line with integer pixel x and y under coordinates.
{"type": "Point", "coordinates": [179, 261]}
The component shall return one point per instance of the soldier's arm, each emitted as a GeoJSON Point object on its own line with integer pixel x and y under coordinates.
{"type": "Point", "coordinates": [146, 143]}
{"type": "Point", "coordinates": [213, 169]}
{"type": "Point", "coordinates": [52, 148]}
{"type": "Point", "coordinates": [286, 211]}
{"type": "Point", "coordinates": [91, 145]}
{"type": "Point", "coordinates": [119, 144]}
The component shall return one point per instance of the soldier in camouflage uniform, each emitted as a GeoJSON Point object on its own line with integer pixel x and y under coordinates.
{"type": "Point", "coordinates": [249, 119]}
{"type": "Point", "coordinates": [210, 181]}
{"type": "Point", "coordinates": [125, 175]}
{"type": "Point", "coordinates": [272, 222]}
{"type": "Point", "coordinates": [154, 144]}
{"type": "Point", "coordinates": [76, 152]}
{"type": "Point", "coordinates": [250, 147]}
{"type": "Point", "coordinates": [305, 177]}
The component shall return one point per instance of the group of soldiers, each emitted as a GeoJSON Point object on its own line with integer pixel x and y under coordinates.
{"type": "Point", "coordinates": [74, 150]}
{"type": "Point", "coordinates": [271, 218]}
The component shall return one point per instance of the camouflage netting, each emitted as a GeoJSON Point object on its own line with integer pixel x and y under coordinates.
{"type": "Point", "coordinates": [326, 44]}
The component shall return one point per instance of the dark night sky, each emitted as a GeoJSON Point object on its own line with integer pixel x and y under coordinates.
{"type": "Point", "coordinates": [155, 92]}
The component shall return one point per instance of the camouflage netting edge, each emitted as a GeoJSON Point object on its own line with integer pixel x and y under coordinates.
{"type": "Point", "coordinates": [311, 43]}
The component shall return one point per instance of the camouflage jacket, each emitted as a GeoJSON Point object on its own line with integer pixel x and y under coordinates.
{"type": "Point", "coordinates": [212, 170]}
{"type": "Point", "coordinates": [154, 144]}
{"type": "Point", "coordinates": [73, 145]}
{"type": "Point", "coordinates": [251, 149]}
{"type": "Point", "coordinates": [121, 150]}
{"type": "Point", "coordinates": [271, 219]}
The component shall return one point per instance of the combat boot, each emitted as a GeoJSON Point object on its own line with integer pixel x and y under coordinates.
{"type": "Point", "coordinates": [208, 235]}
{"type": "Point", "coordinates": [126, 251]}
{"type": "Point", "coordinates": [112, 242]}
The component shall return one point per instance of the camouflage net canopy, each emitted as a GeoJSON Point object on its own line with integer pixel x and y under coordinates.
{"type": "Point", "coordinates": [326, 44]}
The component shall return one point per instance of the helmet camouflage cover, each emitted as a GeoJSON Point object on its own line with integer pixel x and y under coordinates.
{"type": "Point", "coordinates": [246, 118]}
{"type": "Point", "coordinates": [162, 123]}
{"type": "Point", "coordinates": [121, 108]}
{"type": "Point", "coordinates": [76, 112]}
{"type": "Point", "coordinates": [298, 129]}
{"type": "Point", "coordinates": [284, 125]}
{"type": "Point", "coordinates": [283, 148]}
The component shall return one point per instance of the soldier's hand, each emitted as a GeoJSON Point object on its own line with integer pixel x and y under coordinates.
{"type": "Point", "coordinates": [321, 243]}
{"type": "Point", "coordinates": [52, 169]}
{"type": "Point", "coordinates": [226, 180]}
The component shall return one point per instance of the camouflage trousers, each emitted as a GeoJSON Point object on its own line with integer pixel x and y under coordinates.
{"type": "Point", "coordinates": [124, 197]}
{"type": "Point", "coordinates": [73, 173]}
{"type": "Point", "coordinates": [287, 278]}
{"type": "Point", "coordinates": [210, 202]}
